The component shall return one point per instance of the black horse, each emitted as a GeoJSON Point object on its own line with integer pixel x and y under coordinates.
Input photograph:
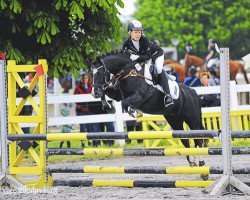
{"type": "Point", "coordinates": [131, 88]}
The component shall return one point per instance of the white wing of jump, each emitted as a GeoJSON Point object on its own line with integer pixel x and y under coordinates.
{"type": "Point", "coordinates": [247, 61]}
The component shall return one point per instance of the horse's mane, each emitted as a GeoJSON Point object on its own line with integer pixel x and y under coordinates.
{"type": "Point", "coordinates": [113, 53]}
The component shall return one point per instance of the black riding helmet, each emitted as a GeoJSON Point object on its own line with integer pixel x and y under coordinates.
{"type": "Point", "coordinates": [211, 40]}
{"type": "Point", "coordinates": [135, 25]}
{"type": "Point", "coordinates": [188, 44]}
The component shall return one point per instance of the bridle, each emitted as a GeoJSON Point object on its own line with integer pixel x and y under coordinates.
{"type": "Point", "coordinates": [106, 79]}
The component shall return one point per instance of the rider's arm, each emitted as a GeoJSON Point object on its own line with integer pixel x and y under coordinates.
{"type": "Point", "coordinates": [146, 55]}
{"type": "Point", "coordinates": [156, 51]}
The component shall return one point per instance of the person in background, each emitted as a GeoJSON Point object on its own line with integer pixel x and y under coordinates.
{"type": "Point", "coordinates": [214, 79]}
{"type": "Point", "coordinates": [96, 108]}
{"type": "Point", "coordinates": [66, 128]}
{"type": "Point", "coordinates": [212, 56]}
{"type": "Point", "coordinates": [207, 100]}
{"type": "Point", "coordinates": [192, 80]}
{"type": "Point", "coordinates": [84, 87]}
{"type": "Point", "coordinates": [189, 48]}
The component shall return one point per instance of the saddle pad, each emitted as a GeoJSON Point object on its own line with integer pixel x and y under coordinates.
{"type": "Point", "coordinates": [173, 85]}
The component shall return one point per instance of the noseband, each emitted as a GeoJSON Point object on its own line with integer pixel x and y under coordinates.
{"type": "Point", "coordinates": [106, 73]}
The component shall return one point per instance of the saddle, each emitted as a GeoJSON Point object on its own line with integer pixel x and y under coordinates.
{"type": "Point", "coordinates": [151, 78]}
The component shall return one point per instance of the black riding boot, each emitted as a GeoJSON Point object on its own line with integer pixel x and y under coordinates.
{"type": "Point", "coordinates": [168, 100]}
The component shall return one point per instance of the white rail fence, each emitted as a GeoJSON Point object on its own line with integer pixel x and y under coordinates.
{"type": "Point", "coordinates": [119, 118]}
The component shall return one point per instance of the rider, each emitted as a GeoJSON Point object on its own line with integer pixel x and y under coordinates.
{"type": "Point", "coordinates": [212, 57]}
{"type": "Point", "coordinates": [143, 50]}
{"type": "Point", "coordinates": [189, 48]}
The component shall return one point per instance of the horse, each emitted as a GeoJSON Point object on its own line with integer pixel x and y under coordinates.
{"type": "Point", "coordinates": [235, 66]}
{"type": "Point", "coordinates": [177, 67]}
{"type": "Point", "coordinates": [132, 90]}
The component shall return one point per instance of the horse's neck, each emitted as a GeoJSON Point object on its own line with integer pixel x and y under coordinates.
{"type": "Point", "coordinates": [116, 64]}
{"type": "Point", "coordinates": [197, 60]}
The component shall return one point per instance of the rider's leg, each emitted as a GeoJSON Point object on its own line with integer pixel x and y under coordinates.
{"type": "Point", "coordinates": [168, 100]}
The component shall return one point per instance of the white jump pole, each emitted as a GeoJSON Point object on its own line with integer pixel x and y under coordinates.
{"type": "Point", "coordinates": [227, 183]}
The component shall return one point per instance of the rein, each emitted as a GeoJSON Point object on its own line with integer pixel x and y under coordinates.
{"type": "Point", "coordinates": [132, 73]}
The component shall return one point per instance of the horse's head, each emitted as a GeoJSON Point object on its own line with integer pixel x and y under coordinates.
{"type": "Point", "coordinates": [103, 67]}
{"type": "Point", "coordinates": [101, 77]}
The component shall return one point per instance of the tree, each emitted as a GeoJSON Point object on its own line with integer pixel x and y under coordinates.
{"type": "Point", "coordinates": [197, 21]}
{"type": "Point", "coordinates": [66, 33]}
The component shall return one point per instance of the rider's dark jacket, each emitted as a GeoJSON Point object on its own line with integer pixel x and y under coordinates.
{"type": "Point", "coordinates": [147, 49]}
{"type": "Point", "coordinates": [215, 54]}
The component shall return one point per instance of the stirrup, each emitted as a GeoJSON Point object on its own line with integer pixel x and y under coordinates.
{"type": "Point", "coordinates": [131, 112]}
{"type": "Point", "coordinates": [171, 102]}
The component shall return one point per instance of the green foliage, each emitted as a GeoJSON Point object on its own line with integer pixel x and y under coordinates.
{"type": "Point", "coordinates": [197, 21]}
{"type": "Point", "coordinates": [66, 33]}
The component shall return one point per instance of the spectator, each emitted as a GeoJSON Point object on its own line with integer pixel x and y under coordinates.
{"type": "Point", "coordinates": [189, 48]}
{"type": "Point", "coordinates": [133, 126]}
{"type": "Point", "coordinates": [211, 60]}
{"type": "Point", "coordinates": [65, 111]}
{"type": "Point", "coordinates": [96, 108]}
{"type": "Point", "coordinates": [193, 80]}
{"type": "Point", "coordinates": [214, 80]}
{"type": "Point", "coordinates": [207, 100]}
{"type": "Point", "coordinates": [84, 87]}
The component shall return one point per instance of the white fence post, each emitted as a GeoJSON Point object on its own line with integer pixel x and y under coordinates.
{"type": "Point", "coordinates": [233, 96]}
{"type": "Point", "coordinates": [119, 125]}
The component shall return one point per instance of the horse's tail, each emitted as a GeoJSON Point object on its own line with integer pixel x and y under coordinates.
{"type": "Point", "coordinates": [242, 69]}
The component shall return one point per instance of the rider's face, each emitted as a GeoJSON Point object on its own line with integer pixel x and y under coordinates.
{"type": "Point", "coordinates": [135, 34]}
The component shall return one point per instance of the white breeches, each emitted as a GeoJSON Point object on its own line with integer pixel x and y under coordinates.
{"type": "Point", "coordinates": [212, 62]}
{"type": "Point", "coordinates": [159, 63]}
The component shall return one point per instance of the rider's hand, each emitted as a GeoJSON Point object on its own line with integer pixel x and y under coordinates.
{"type": "Point", "coordinates": [134, 57]}
{"type": "Point", "coordinates": [143, 58]}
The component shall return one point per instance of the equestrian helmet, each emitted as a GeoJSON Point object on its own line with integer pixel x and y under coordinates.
{"type": "Point", "coordinates": [211, 41]}
{"type": "Point", "coordinates": [135, 25]}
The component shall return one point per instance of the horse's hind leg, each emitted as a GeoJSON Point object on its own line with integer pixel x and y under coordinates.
{"type": "Point", "coordinates": [196, 125]}
{"type": "Point", "coordinates": [177, 124]}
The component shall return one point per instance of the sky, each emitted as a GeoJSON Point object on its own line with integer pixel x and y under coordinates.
{"type": "Point", "coordinates": [128, 10]}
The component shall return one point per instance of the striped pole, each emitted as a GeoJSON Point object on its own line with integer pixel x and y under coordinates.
{"type": "Point", "coordinates": [191, 134]}
{"type": "Point", "coordinates": [145, 170]}
{"type": "Point", "coordinates": [116, 135]}
{"type": "Point", "coordinates": [145, 152]}
{"type": "Point", "coordinates": [134, 183]}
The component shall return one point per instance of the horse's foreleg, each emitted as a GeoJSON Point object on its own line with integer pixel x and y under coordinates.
{"type": "Point", "coordinates": [106, 106]}
{"type": "Point", "coordinates": [132, 102]}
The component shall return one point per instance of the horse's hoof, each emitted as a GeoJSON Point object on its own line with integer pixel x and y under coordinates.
{"type": "Point", "coordinates": [204, 177]}
{"type": "Point", "coordinates": [138, 114]}
{"type": "Point", "coordinates": [111, 110]}
{"type": "Point", "coordinates": [192, 164]}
